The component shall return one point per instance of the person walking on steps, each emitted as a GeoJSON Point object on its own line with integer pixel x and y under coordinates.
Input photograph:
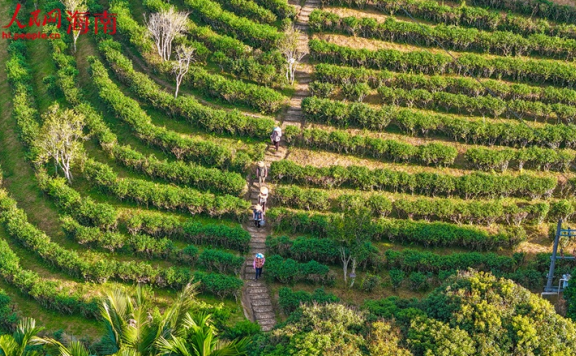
{"type": "Point", "coordinates": [276, 136]}
{"type": "Point", "coordinates": [261, 172]}
{"type": "Point", "coordinates": [263, 197]}
{"type": "Point", "coordinates": [258, 215]}
{"type": "Point", "coordinates": [258, 263]}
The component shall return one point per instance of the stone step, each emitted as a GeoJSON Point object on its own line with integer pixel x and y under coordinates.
{"type": "Point", "coordinates": [255, 284]}
{"type": "Point", "coordinates": [258, 290]}
{"type": "Point", "coordinates": [261, 296]}
{"type": "Point", "coordinates": [261, 302]}
{"type": "Point", "coordinates": [264, 316]}
{"type": "Point", "coordinates": [268, 322]}
{"type": "Point", "coordinates": [258, 249]}
{"type": "Point", "coordinates": [259, 238]}
{"type": "Point", "coordinates": [257, 245]}
{"type": "Point", "coordinates": [267, 309]}
{"type": "Point", "coordinates": [293, 121]}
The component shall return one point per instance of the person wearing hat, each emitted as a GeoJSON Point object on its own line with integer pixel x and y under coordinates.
{"type": "Point", "coordinates": [276, 136]}
{"type": "Point", "coordinates": [263, 197]}
{"type": "Point", "coordinates": [258, 264]}
{"type": "Point", "coordinates": [261, 172]}
{"type": "Point", "coordinates": [258, 215]}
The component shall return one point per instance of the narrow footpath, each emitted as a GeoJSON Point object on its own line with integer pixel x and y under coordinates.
{"type": "Point", "coordinates": [256, 298]}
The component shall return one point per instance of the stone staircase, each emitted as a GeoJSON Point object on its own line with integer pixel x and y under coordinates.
{"type": "Point", "coordinates": [256, 295]}
{"type": "Point", "coordinates": [303, 74]}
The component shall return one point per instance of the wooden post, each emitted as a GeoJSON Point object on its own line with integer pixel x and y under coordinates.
{"type": "Point", "coordinates": [553, 258]}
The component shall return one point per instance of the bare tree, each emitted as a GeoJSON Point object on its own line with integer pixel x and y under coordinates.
{"type": "Point", "coordinates": [288, 45]}
{"type": "Point", "coordinates": [185, 55]}
{"type": "Point", "coordinates": [74, 7]}
{"type": "Point", "coordinates": [164, 26]}
{"type": "Point", "coordinates": [60, 138]}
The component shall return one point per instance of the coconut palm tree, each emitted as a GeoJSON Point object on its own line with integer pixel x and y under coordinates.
{"type": "Point", "coordinates": [130, 327]}
{"type": "Point", "coordinates": [20, 342]}
{"type": "Point", "coordinates": [199, 338]}
{"type": "Point", "coordinates": [76, 348]}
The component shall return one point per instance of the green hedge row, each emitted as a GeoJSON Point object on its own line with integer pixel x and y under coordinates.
{"type": "Point", "coordinates": [304, 248]}
{"type": "Point", "coordinates": [338, 75]}
{"type": "Point", "coordinates": [159, 224]}
{"type": "Point", "coordinates": [249, 9]}
{"type": "Point", "coordinates": [150, 247]}
{"type": "Point", "coordinates": [256, 35]}
{"type": "Point", "coordinates": [442, 209]}
{"type": "Point", "coordinates": [216, 42]}
{"type": "Point", "coordinates": [480, 105]}
{"type": "Point", "coordinates": [290, 300]}
{"type": "Point", "coordinates": [435, 154]}
{"type": "Point", "coordinates": [217, 86]}
{"type": "Point", "coordinates": [17, 225]}
{"type": "Point", "coordinates": [263, 99]}
{"type": "Point", "coordinates": [290, 271]}
{"type": "Point", "coordinates": [280, 7]}
{"type": "Point", "coordinates": [326, 250]}
{"type": "Point", "coordinates": [452, 37]}
{"type": "Point", "coordinates": [48, 293]}
{"type": "Point", "coordinates": [469, 186]}
{"type": "Point", "coordinates": [162, 196]}
{"type": "Point", "coordinates": [545, 9]}
{"type": "Point", "coordinates": [213, 120]}
{"type": "Point", "coordinates": [478, 13]}
{"type": "Point", "coordinates": [402, 231]}
{"type": "Point", "coordinates": [266, 68]}
{"type": "Point", "coordinates": [423, 261]}
{"type": "Point", "coordinates": [210, 179]}
{"type": "Point", "coordinates": [414, 122]}
{"type": "Point", "coordinates": [130, 28]}
{"type": "Point", "coordinates": [470, 16]}
{"type": "Point", "coordinates": [141, 245]}
{"type": "Point", "coordinates": [19, 76]}
{"type": "Point", "coordinates": [206, 152]}
{"type": "Point", "coordinates": [221, 261]}
{"type": "Point", "coordinates": [84, 209]}
{"type": "Point", "coordinates": [202, 34]}
{"type": "Point", "coordinates": [517, 69]}
{"type": "Point", "coordinates": [178, 172]}
{"type": "Point", "coordinates": [532, 157]}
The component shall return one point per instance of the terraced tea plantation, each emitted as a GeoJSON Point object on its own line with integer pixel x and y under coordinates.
{"type": "Point", "coordinates": [419, 138]}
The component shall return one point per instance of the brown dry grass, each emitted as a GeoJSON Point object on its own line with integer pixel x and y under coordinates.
{"type": "Point", "coordinates": [367, 12]}
{"type": "Point", "coordinates": [318, 158]}
{"type": "Point", "coordinates": [565, 2]}
{"type": "Point", "coordinates": [356, 42]}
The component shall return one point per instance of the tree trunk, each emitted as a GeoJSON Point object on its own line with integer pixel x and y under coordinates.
{"type": "Point", "coordinates": [353, 271]}
{"type": "Point", "coordinates": [345, 261]}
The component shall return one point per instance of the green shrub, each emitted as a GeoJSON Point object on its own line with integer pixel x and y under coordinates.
{"type": "Point", "coordinates": [290, 300]}
{"type": "Point", "coordinates": [370, 282]}
{"type": "Point", "coordinates": [396, 278]}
